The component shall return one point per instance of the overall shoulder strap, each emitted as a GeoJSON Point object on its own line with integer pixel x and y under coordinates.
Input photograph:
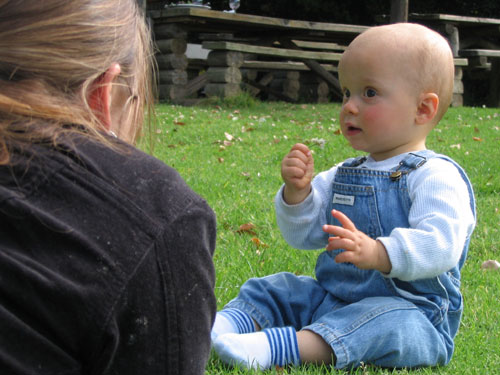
{"type": "Point", "coordinates": [415, 160]}
{"type": "Point", "coordinates": [354, 162]}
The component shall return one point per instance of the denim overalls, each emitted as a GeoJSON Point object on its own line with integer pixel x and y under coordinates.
{"type": "Point", "coordinates": [362, 315]}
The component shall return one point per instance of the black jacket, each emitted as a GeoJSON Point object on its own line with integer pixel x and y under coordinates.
{"type": "Point", "coordinates": [105, 264]}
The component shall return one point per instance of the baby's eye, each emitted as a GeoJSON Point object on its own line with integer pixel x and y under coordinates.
{"type": "Point", "coordinates": [370, 93]}
{"type": "Point", "coordinates": [347, 93]}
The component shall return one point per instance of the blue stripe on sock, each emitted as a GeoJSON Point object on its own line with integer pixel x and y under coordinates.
{"type": "Point", "coordinates": [237, 320]}
{"type": "Point", "coordinates": [284, 346]}
{"type": "Point", "coordinates": [271, 344]}
{"type": "Point", "coordinates": [294, 347]}
{"type": "Point", "coordinates": [242, 321]}
{"type": "Point", "coordinates": [280, 353]}
{"type": "Point", "coordinates": [288, 343]}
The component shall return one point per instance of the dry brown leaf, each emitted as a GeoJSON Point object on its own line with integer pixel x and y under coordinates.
{"type": "Point", "coordinates": [258, 242]}
{"type": "Point", "coordinates": [247, 228]}
{"type": "Point", "coordinates": [490, 265]}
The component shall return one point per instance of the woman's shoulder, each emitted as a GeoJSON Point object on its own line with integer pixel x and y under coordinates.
{"type": "Point", "coordinates": [139, 179]}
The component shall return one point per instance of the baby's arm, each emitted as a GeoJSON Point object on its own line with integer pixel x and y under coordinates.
{"type": "Point", "coordinates": [297, 169]}
{"type": "Point", "coordinates": [300, 223]}
{"type": "Point", "coordinates": [440, 221]}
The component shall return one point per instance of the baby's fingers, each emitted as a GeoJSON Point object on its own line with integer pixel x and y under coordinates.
{"type": "Point", "coordinates": [335, 243]}
{"type": "Point", "coordinates": [337, 231]}
{"type": "Point", "coordinates": [345, 257]}
{"type": "Point", "coordinates": [344, 220]}
{"type": "Point", "coordinates": [302, 148]}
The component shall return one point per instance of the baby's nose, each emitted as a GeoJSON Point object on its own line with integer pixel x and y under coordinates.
{"type": "Point", "coordinates": [350, 106]}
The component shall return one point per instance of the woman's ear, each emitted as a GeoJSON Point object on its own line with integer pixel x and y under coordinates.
{"type": "Point", "coordinates": [427, 108]}
{"type": "Point", "coordinates": [100, 95]}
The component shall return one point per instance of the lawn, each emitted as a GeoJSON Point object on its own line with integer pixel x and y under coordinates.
{"type": "Point", "coordinates": [230, 153]}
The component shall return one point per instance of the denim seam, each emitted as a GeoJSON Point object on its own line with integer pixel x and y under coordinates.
{"type": "Point", "coordinates": [334, 338]}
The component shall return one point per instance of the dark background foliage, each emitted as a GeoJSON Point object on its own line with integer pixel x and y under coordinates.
{"type": "Point", "coordinates": [361, 12]}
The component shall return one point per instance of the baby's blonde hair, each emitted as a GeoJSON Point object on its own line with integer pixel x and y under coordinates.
{"type": "Point", "coordinates": [51, 53]}
{"type": "Point", "coordinates": [424, 56]}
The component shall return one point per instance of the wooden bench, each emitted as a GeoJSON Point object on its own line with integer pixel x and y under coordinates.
{"type": "Point", "coordinates": [305, 58]}
{"type": "Point", "coordinates": [488, 59]}
{"type": "Point", "coordinates": [284, 56]}
{"type": "Point", "coordinates": [480, 57]}
{"type": "Point", "coordinates": [272, 51]}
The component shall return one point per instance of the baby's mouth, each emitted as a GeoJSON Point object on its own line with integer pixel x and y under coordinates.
{"type": "Point", "coordinates": [352, 130]}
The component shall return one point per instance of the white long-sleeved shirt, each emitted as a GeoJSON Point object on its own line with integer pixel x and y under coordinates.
{"type": "Point", "coordinates": [440, 219]}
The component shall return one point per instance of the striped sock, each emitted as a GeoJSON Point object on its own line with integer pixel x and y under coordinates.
{"type": "Point", "coordinates": [232, 321]}
{"type": "Point", "coordinates": [284, 347]}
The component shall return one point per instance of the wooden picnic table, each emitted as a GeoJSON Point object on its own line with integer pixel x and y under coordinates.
{"type": "Point", "coordinates": [250, 43]}
{"type": "Point", "coordinates": [474, 38]}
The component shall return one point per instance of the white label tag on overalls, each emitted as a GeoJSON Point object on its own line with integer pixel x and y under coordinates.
{"type": "Point", "coordinates": [343, 199]}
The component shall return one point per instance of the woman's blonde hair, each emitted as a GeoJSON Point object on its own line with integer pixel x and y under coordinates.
{"type": "Point", "coordinates": [52, 52]}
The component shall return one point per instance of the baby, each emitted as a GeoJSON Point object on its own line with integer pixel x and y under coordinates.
{"type": "Point", "coordinates": [395, 223]}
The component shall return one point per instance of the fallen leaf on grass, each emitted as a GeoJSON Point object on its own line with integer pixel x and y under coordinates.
{"type": "Point", "coordinates": [477, 139]}
{"type": "Point", "coordinates": [490, 265]}
{"type": "Point", "coordinates": [179, 123]}
{"type": "Point", "coordinates": [258, 242]}
{"type": "Point", "coordinates": [247, 228]}
{"type": "Point", "coordinates": [456, 146]}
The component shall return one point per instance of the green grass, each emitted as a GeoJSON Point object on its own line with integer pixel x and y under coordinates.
{"type": "Point", "coordinates": [230, 153]}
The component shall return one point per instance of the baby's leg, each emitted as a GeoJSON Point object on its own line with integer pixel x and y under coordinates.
{"type": "Point", "coordinates": [313, 349]}
{"type": "Point", "coordinates": [383, 331]}
{"type": "Point", "coordinates": [273, 347]}
{"type": "Point", "coordinates": [280, 304]}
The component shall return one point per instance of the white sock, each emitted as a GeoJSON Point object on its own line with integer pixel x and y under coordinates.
{"type": "Point", "coordinates": [259, 350]}
{"type": "Point", "coordinates": [251, 350]}
{"type": "Point", "coordinates": [231, 321]}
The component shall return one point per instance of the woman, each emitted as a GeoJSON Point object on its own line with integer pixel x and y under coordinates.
{"type": "Point", "coordinates": [105, 253]}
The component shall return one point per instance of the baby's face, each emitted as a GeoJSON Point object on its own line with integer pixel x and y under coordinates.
{"type": "Point", "coordinates": [379, 105]}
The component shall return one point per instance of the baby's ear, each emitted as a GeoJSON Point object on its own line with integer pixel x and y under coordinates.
{"type": "Point", "coordinates": [427, 108]}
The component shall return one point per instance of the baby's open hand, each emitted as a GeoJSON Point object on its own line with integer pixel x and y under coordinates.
{"type": "Point", "coordinates": [361, 250]}
{"type": "Point", "coordinates": [297, 169]}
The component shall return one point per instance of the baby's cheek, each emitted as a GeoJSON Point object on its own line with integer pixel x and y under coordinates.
{"type": "Point", "coordinates": [373, 115]}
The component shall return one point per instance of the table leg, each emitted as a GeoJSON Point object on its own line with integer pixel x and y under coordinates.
{"type": "Point", "coordinates": [171, 41]}
{"type": "Point", "coordinates": [494, 97]}
{"type": "Point", "coordinates": [223, 73]}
